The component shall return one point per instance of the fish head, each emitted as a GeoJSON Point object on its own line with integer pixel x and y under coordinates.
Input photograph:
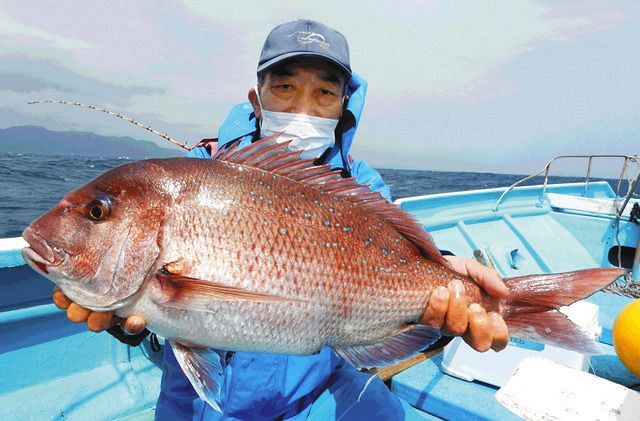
{"type": "Point", "coordinates": [99, 243]}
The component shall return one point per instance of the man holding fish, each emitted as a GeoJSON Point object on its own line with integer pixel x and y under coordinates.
{"type": "Point", "coordinates": [307, 91]}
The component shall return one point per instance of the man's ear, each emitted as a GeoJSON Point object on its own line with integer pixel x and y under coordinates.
{"type": "Point", "coordinates": [253, 99]}
{"type": "Point", "coordinates": [345, 102]}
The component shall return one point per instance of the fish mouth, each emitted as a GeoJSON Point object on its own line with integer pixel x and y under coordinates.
{"type": "Point", "coordinates": [40, 253]}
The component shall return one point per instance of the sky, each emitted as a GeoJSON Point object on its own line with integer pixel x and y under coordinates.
{"type": "Point", "coordinates": [489, 86]}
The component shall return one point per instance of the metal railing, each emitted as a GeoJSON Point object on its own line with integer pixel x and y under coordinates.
{"type": "Point", "coordinates": [547, 168]}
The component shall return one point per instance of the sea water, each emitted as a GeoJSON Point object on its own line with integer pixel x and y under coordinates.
{"type": "Point", "coordinates": [30, 184]}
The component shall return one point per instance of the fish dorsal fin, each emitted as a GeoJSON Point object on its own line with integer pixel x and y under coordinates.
{"type": "Point", "coordinates": [270, 155]}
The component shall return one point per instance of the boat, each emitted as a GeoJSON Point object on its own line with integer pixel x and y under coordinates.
{"type": "Point", "coordinates": [52, 368]}
{"type": "Point", "coordinates": [523, 230]}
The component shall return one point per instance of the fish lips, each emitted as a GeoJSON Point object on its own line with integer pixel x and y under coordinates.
{"type": "Point", "coordinates": [39, 252]}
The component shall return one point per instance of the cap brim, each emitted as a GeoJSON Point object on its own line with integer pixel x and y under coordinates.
{"type": "Point", "coordinates": [270, 63]}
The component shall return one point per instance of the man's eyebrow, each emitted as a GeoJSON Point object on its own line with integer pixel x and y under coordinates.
{"type": "Point", "coordinates": [332, 78]}
{"type": "Point", "coordinates": [281, 72]}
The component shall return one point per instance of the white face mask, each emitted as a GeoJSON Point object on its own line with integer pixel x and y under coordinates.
{"type": "Point", "coordinates": [313, 135]}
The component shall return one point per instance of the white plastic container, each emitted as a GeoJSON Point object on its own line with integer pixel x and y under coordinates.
{"type": "Point", "coordinates": [460, 360]}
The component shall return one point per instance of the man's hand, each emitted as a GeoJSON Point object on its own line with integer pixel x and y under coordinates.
{"type": "Point", "coordinates": [449, 308]}
{"type": "Point", "coordinates": [96, 321]}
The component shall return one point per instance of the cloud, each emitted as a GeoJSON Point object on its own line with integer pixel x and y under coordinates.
{"type": "Point", "coordinates": [23, 80]}
{"type": "Point", "coordinates": [20, 33]}
{"type": "Point", "coordinates": [27, 75]}
{"type": "Point", "coordinates": [457, 84]}
{"type": "Point", "coordinates": [438, 51]}
{"type": "Point", "coordinates": [19, 82]}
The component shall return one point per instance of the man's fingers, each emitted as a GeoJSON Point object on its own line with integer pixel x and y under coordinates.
{"type": "Point", "coordinates": [60, 300]}
{"type": "Point", "coordinates": [487, 278]}
{"type": "Point", "coordinates": [480, 335]}
{"type": "Point", "coordinates": [457, 317]}
{"type": "Point", "coordinates": [97, 322]}
{"type": "Point", "coordinates": [134, 324]}
{"type": "Point", "coordinates": [77, 314]}
{"type": "Point", "coordinates": [500, 332]}
{"type": "Point", "coordinates": [437, 308]}
{"type": "Point", "coordinates": [457, 263]}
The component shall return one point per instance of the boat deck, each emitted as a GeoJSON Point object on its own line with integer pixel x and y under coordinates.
{"type": "Point", "coordinates": [522, 237]}
{"type": "Point", "coordinates": [52, 368]}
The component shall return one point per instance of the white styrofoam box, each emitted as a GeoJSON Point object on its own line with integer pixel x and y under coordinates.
{"type": "Point", "coordinates": [571, 395]}
{"type": "Point", "coordinates": [460, 360]}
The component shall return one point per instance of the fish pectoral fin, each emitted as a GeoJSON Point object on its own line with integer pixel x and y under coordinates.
{"type": "Point", "coordinates": [405, 344]}
{"type": "Point", "coordinates": [190, 293]}
{"type": "Point", "coordinates": [204, 368]}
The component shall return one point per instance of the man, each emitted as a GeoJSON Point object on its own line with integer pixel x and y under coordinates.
{"type": "Point", "coordinates": [307, 91]}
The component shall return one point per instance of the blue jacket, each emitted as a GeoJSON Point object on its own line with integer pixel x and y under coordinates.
{"type": "Point", "coordinates": [267, 385]}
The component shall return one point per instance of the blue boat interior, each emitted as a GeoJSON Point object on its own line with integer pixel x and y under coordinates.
{"type": "Point", "coordinates": [52, 368]}
{"type": "Point", "coordinates": [525, 235]}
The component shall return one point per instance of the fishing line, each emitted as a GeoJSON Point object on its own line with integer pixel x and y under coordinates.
{"type": "Point", "coordinates": [366, 385]}
{"type": "Point", "coordinates": [129, 119]}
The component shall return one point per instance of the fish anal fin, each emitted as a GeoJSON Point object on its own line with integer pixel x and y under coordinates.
{"type": "Point", "coordinates": [195, 294]}
{"type": "Point", "coordinates": [405, 344]}
{"type": "Point", "coordinates": [204, 368]}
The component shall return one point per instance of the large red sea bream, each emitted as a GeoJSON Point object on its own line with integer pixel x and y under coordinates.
{"type": "Point", "coordinates": [258, 250]}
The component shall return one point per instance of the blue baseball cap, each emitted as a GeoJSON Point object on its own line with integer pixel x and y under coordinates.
{"type": "Point", "coordinates": [304, 38]}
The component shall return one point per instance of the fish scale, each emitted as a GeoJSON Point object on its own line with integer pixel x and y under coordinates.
{"type": "Point", "coordinates": [261, 251]}
{"type": "Point", "coordinates": [299, 274]}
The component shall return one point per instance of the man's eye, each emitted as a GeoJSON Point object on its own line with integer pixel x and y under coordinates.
{"type": "Point", "coordinates": [284, 86]}
{"type": "Point", "coordinates": [326, 92]}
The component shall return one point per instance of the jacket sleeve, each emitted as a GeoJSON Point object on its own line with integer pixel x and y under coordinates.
{"type": "Point", "coordinates": [364, 174]}
{"type": "Point", "coordinates": [199, 152]}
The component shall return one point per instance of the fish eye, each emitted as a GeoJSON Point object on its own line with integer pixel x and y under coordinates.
{"type": "Point", "coordinates": [98, 210]}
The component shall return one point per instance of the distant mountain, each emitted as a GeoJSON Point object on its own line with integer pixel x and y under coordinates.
{"type": "Point", "coordinates": [36, 139]}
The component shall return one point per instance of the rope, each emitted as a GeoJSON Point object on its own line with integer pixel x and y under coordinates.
{"type": "Point", "coordinates": [129, 119]}
{"type": "Point", "coordinates": [629, 288]}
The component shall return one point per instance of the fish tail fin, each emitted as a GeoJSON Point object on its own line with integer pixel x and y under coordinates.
{"type": "Point", "coordinates": [530, 312]}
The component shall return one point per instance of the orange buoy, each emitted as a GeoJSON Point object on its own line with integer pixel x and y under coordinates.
{"type": "Point", "coordinates": [626, 336]}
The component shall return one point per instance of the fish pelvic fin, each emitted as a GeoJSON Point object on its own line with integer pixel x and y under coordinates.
{"type": "Point", "coordinates": [530, 312]}
{"type": "Point", "coordinates": [205, 369]}
{"type": "Point", "coordinates": [272, 156]}
{"type": "Point", "coordinates": [184, 292]}
{"type": "Point", "coordinates": [405, 344]}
